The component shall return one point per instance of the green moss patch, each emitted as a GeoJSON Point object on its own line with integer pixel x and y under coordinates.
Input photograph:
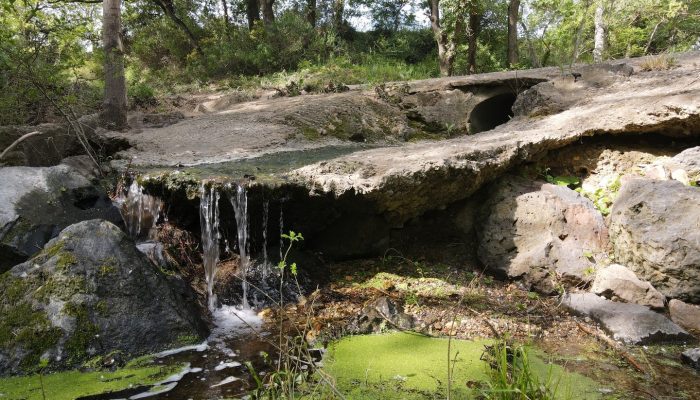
{"type": "Point", "coordinates": [21, 325]}
{"type": "Point", "coordinates": [74, 384]}
{"type": "Point", "coordinates": [411, 366]}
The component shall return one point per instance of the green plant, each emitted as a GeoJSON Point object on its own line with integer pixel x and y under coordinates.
{"type": "Point", "coordinates": [512, 377]}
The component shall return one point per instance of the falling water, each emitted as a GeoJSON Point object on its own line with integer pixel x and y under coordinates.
{"type": "Point", "coordinates": [140, 211]}
{"type": "Point", "coordinates": [281, 232]}
{"type": "Point", "coordinates": [239, 201]}
{"type": "Point", "coordinates": [266, 263]}
{"type": "Point", "coordinates": [209, 221]}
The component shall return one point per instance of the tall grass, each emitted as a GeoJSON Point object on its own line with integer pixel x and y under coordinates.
{"type": "Point", "coordinates": [512, 377]}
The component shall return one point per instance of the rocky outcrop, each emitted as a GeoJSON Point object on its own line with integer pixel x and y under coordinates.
{"type": "Point", "coordinates": [617, 282]}
{"type": "Point", "coordinates": [630, 323]}
{"type": "Point", "coordinates": [88, 293]}
{"type": "Point", "coordinates": [685, 315]}
{"type": "Point", "coordinates": [540, 232]}
{"type": "Point", "coordinates": [655, 231]}
{"type": "Point", "coordinates": [36, 203]}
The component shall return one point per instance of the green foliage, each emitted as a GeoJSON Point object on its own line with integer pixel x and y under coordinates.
{"type": "Point", "coordinates": [511, 375]}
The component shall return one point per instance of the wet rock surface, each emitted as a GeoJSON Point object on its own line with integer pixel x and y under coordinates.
{"type": "Point", "coordinates": [630, 323]}
{"type": "Point", "coordinates": [655, 231]}
{"type": "Point", "coordinates": [617, 282]}
{"type": "Point", "coordinates": [685, 315]}
{"type": "Point", "coordinates": [36, 203]}
{"type": "Point", "coordinates": [540, 232]}
{"type": "Point", "coordinates": [88, 293]}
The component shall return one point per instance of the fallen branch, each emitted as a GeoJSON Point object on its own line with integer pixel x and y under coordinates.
{"type": "Point", "coordinates": [18, 141]}
{"type": "Point", "coordinates": [614, 345]}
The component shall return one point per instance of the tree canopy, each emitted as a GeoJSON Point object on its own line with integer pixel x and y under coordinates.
{"type": "Point", "coordinates": [52, 51]}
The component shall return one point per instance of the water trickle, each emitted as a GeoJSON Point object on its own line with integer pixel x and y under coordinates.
{"type": "Point", "coordinates": [209, 221]}
{"type": "Point", "coordinates": [140, 211]}
{"type": "Point", "coordinates": [239, 201]}
{"type": "Point", "coordinates": [266, 262]}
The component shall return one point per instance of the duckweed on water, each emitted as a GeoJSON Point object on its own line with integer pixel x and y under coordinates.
{"type": "Point", "coordinates": [74, 384]}
{"type": "Point", "coordinates": [412, 366]}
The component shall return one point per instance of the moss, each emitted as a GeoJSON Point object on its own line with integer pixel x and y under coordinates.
{"type": "Point", "coordinates": [65, 260]}
{"type": "Point", "coordinates": [102, 308]}
{"type": "Point", "coordinates": [60, 287]}
{"type": "Point", "coordinates": [52, 250]}
{"type": "Point", "coordinates": [186, 340]}
{"type": "Point", "coordinates": [22, 325]}
{"type": "Point", "coordinates": [75, 384]}
{"type": "Point", "coordinates": [84, 334]}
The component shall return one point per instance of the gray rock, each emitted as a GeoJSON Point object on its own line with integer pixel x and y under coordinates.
{"type": "Point", "coordinates": [630, 323]}
{"type": "Point", "coordinates": [36, 203]}
{"type": "Point", "coordinates": [380, 315]}
{"type": "Point", "coordinates": [685, 315]}
{"type": "Point", "coordinates": [540, 232]}
{"type": "Point", "coordinates": [655, 231]}
{"type": "Point", "coordinates": [88, 293]}
{"type": "Point", "coordinates": [692, 357]}
{"type": "Point", "coordinates": [689, 161]}
{"type": "Point", "coordinates": [617, 282]}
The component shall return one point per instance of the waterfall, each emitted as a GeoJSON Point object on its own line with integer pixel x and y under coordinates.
{"type": "Point", "coordinates": [209, 221]}
{"type": "Point", "coordinates": [266, 262]}
{"type": "Point", "coordinates": [239, 201]}
{"type": "Point", "coordinates": [139, 211]}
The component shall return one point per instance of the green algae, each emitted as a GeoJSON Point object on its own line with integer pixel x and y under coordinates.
{"type": "Point", "coordinates": [74, 384]}
{"type": "Point", "coordinates": [412, 366]}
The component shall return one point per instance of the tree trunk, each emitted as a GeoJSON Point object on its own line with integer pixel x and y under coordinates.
{"type": "Point", "coordinates": [338, 14]}
{"type": "Point", "coordinates": [441, 39]}
{"type": "Point", "coordinates": [513, 11]}
{"type": "Point", "coordinates": [224, 7]}
{"type": "Point", "coordinates": [268, 12]}
{"type": "Point", "coordinates": [579, 32]}
{"type": "Point", "coordinates": [599, 44]}
{"type": "Point", "coordinates": [252, 9]}
{"type": "Point", "coordinates": [114, 111]}
{"type": "Point", "coordinates": [472, 36]}
{"type": "Point", "coordinates": [311, 12]}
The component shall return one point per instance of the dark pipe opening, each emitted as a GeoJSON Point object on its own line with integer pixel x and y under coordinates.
{"type": "Point", "coordinates": [491, 112]}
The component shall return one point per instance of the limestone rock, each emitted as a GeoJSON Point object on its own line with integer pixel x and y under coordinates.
{"type": "Point", "coordinates": [537, 231]}
{"type": "Point", "coordinates": [381, 314]}
{"type": "Point", "coordinates": [36, 203]}
{"type": "Point", "coordinates": [687, 161]}
{"type": "Point", "coordinates": [617, 282]}
{"type": "Point", "coordinates": [655, 231]}
{"type": "Point", "coordinates": [685, 315]}
{"type": "Point", "coordinates": [88, 293]}
{"type": "Point", "coordinates": [630, 323]}
{"type": "Point", "coordinates": [692, 357]}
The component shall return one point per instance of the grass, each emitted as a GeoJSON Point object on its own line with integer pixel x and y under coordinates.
{"type": "Point", "coordinates": [662, 62]}
{"type": "Point", "coordinates": [412, 366]}
{"type": "Point", "coordinates": [74, 384]}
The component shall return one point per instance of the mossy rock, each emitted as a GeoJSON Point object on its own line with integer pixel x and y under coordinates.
{"type": "Point", "coordinates": [87, 294]}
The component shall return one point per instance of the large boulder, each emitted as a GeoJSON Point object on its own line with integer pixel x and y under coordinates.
{"type": "Point", "coordinates": [89, 293]}
{"type": "Point", "coordinates": [685, 315]}
{"type": "Point", "coordinates": [37, 203]}
{"type": "Point", "coordinates": [630, 323]}
{"type": "Point", "coordinates": [617, 282]}
{"type": "Point", "coordinates": [540, 232]}
{"type": "Point", "coordinates": [655, 231]}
